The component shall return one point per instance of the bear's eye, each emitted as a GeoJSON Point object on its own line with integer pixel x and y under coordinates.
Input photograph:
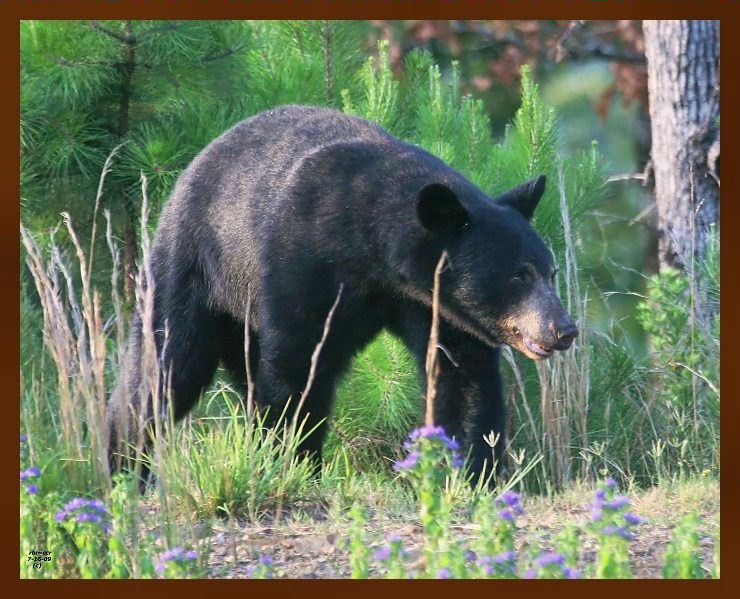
{"type": "Point", "coordinates": [522, 275]}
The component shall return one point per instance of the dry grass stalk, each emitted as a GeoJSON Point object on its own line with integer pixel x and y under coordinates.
{"type": "Point", "coordinates": [565, 379]}
{"type": "Point", "coordinates": [115, 295]}
{"type": "Point", "coordinates": [247, 364]}
{"type": "Point", "coordinates": [432, 365]}
{"type": "Point", "coordinates": [98, 197]}
{"type": "Point", "coordinates": [317, 353]}
{"type": "Point", "coordinates": [296, 426]}
{"type": "Point", "coordinates": [91, 359]}
{"type": "Point", "coordinates": [77, 349]}
{"type": "Point", "coordinates": [58, 338]}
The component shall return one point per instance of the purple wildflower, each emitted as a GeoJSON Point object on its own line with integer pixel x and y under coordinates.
{"type": "Point", "coordinates": [84, 510]}
{"type": "Point", "coordinates": [571, 573]}
{"type": "Point", "coordinates": [452, 444]}
{"type": "Point", "coordinates": [23, 438]}
{"type": "Point", "coordinates": [32, 489]}
{"type": "Point", "coordinates": [507, 514]}
{"type": "Point", "coordinates": [432, 432]}
{"type": "Point", "coordinates": [610, 482]}
{"type": "Point", "coordinates": [444, 573]}
{"type": "Point", "coordinates": [426, 431]}
{"type": "Point", "coordinates": [618, 502]}
{"type": "Point", "coordinates": [394, 538]}
{"type": "Point", "coordinates": [510, 498]}
{"type": "Point", "coordinates": [408, 463]}
{"type": "Point", "coordinates": [87, 517]}
{"type": "Point", "coordinates": [383, 553]}
{"type": "Point", "coordinates": [633, 519]}
{"type": "Point", "coordinates": [265, 560]}
{"type": "Point", "coordinates": [600, 494]}
{"type": "Point", "coordinates": [75, 504]}
{"type": "Point", "coordinates": [501, 563]}
{"type": "Point", "coordinates": [177, 555]}
{"type": "Point", "coordinates": [596, 515]}
{"type": "Point", "coordinates": [470, 556]}
{"type": "Point", "coordinates": [546, 559]}
{"type": "Point", "coordinates": [619, 531]}
{"type": "Point", "coordinates": [531, 573]}
{"type": "Point", "coordinates": [31, 472]}
{"type": "Point", "coordinates": [505, 557]}
{"type": "Point", "coordinates": [252, 570]}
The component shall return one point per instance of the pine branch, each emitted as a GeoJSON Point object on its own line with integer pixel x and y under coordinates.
{"type": "Point", "coordinates": [125, 38]}
{"type": "Point", "coordinates": [171, 26]}
{"type": "Point", "coordinates": [229, 52]}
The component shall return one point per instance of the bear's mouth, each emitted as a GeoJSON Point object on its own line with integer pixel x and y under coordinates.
{"type": "Point", "coordinates": [539, 350]}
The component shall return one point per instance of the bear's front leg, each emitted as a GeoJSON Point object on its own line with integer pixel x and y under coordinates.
{"type": "Point", "coordinates": [290, 334]}
{"type": "Point", "coordinates": [469, 403]}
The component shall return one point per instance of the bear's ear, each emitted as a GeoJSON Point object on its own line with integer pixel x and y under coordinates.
{"type": "Point", "coordinates": [440, 211]}
{"type": "Point", "coordinates": [525, 197]}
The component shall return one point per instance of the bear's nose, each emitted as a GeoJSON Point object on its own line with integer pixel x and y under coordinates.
{"type": "Point", "coordinates": [570, 331]}
{"type": "Point", "coordinates": [565, 333]}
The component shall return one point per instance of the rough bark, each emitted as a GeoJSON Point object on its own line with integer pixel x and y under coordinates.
{"type": "Point", "coordinates": [130, 247]}
{"type": "Point", "coordinates": [683, 86]}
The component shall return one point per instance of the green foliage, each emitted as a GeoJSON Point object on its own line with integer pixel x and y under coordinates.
{"type": "Point", "coordinates": [88, 86]}
{"type": "Point", "coordinates": [234, 466]}
{"type": "Point", "coordinates": [611, 523]}
{"type": "Point", "coordinates": [378, 402]}
{"type": "Point", "coordinates": [302, 62]}
{"type": "Point", "coordinates": [683, 554]}
{"type": "Point", "coordinates": [684, 329]}
{"type": "Point", "coordinates": [379, 91]}
{"type": "Point", "coordinates": [359, 550]}
{"type": "Point", "coordinates": [491, 551]}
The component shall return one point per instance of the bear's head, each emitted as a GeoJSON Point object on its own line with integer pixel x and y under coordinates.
{"type": "Point", "coordinates": [499, 281]}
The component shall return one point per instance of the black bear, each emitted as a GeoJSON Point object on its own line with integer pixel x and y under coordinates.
{"type": "Point", "coordinates": [295, 202]}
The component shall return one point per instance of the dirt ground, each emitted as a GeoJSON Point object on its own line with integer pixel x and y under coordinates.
{"type": "Point", "coordinates": [316, 549]}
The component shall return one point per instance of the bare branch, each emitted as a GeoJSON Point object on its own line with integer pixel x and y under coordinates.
{"type": "Point", "coordinates": [250, 380]}
{"type": "Point", "coordinates": [432, 366]}
{"type": "Point", "coordinates": [317, 352]}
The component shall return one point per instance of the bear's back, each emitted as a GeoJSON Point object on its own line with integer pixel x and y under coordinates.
{"type": "Point", "coordinates": [230, 196]}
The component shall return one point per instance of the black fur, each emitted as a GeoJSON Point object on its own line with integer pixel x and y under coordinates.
{"type": "Point", "coordinates": [294, 202]}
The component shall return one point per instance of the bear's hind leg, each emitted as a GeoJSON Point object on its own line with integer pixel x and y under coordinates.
{"type": "Point", "coordinates": [233, 355]}
{"type": "Point", "coordinates": [186, 336]}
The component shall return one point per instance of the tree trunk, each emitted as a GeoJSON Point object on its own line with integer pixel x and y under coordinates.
{"type": "Point", "coordinates": [130, 246]}
{"type": "Point", "coordinates": [683, 86]}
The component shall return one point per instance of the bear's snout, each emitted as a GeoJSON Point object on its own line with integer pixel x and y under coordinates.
{"type": "Point", "coordinates": [564, 332]}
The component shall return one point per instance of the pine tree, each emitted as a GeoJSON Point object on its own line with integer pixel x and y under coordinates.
{"type": "Point", "coordinates": [159, 90]}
